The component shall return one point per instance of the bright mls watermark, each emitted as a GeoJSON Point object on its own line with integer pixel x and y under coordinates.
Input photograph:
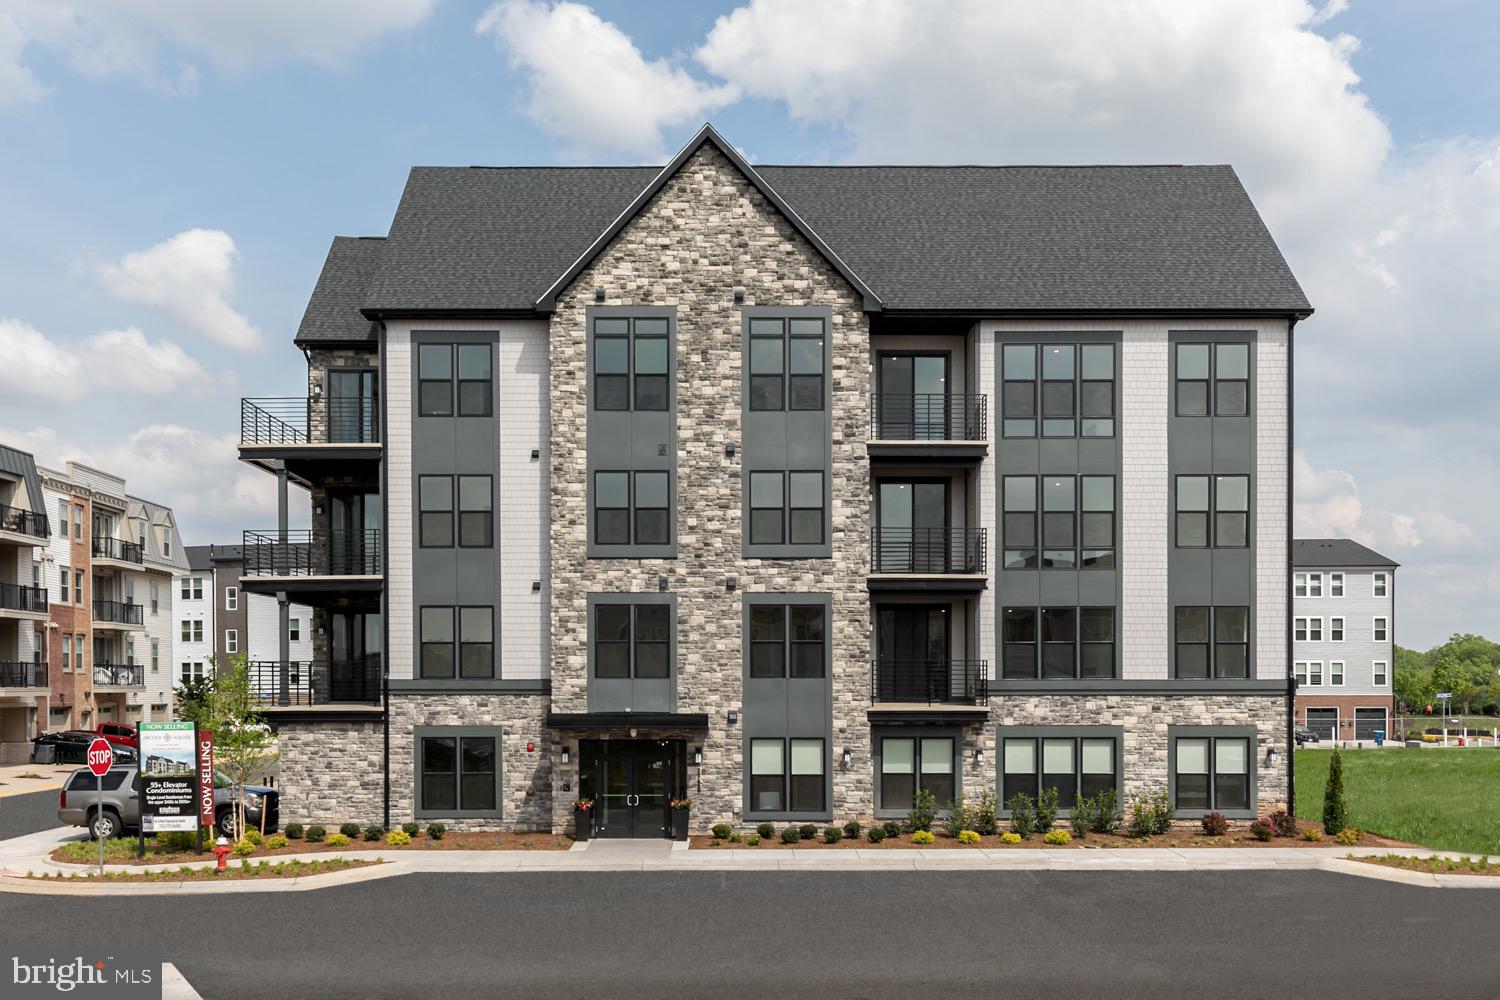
{"type": "Point", "coordinates": [97, 972]}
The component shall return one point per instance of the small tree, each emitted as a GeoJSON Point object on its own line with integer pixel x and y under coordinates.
{"type": "Point", "coordinates": [243, 744]}
{"type": "Point", "coordinates": [1335, 812]}
{"type": "Point", "coordinates": [192, 699]}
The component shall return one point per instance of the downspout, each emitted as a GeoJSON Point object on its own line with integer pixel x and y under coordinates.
{"type": "Point", "coordinates": [385, 618]}
{"type": "Point", "coordinates": [1286, 582]}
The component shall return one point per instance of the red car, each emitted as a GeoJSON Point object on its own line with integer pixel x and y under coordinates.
{"type": "Point", "coordinates": [119, 734]}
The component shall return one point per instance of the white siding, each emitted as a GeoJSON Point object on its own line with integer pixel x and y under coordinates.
{"type": "Point", "coordinates": [1359, 650]}
{"type": "Point", "coordinates": [1144, 518]}
{"type": "Point", "coordinates": [263, 642]}
{"type": "Point", "coordinates": [1272, 356]}
{"type": "Point", "coordinates": [523, 500]}
{"type": "Point", "coordinates": [193, 610]}
{"type": "Point", "coordinates": [398, 501]}
{"type": "Point", "coordinates": [160, 628]}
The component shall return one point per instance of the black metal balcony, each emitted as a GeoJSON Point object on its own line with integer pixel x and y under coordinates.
{"type": "Point", "coordinates": [119, 675]}
{"type": "Point", "coordinates": [927, 551]}
{"type": "Point", "coordinates": [18, 597]}
{"type": "Point", "coordinates": [340, 682]}
{"type": "Point", "coordinates": [23, 522]}
{"type": "Point", "coordinates": [118, 612]}
{"type": "Point", "coordinates": [118, 549]}
{"type": "Point", "coordinates": [302, 554]}
{"type": "Point", "coordinates": [23, 675]}
{"type": "Point", "coordinates": [300, 420]}
{"type": "Point", "coordinates": [927, 416]}
{"type": "Point", "coordinates": [933, 682]}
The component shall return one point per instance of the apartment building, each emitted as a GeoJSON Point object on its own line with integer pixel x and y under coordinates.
{"type": "Point", "coordinates": [24, 528]}
{"type": "Point", "coordinates": [216, 621]}
{"type": "Point", "coordinates": [1343, 638]}
{"type": "Point", "coordinates": [794, 490]}
{"type": "Point", "coordinates": [112, 558]}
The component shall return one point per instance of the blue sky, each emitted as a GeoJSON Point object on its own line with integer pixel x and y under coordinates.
{"type": "Point", "coordinates": [1366, 132]}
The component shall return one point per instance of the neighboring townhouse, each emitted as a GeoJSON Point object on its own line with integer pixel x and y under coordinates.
{"type": "Point", "coordinates": [795, 490]}
{"type": "Point", "coordinates": [111, 612]}
{"type": "Point", "coordinates": [24, 529]}
{"type": "Point", "coordinates": [217, 622]}
{"type": "Point", "coordinates": [1343, 638]}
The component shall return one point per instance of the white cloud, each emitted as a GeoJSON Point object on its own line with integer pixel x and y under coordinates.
{"type": "Point", "coordinates": [189, 277]}
{"type": "Point", "coordinates": [36, 367]}
{"type": "Point", "coordinates": [17, 83]}
{"type": "Point", "coordinates": [116, 365]}
{"type": "Point", "coordinates": [589, 85]}
{"type": "Point", "coordinates": [125, 359]}
{"type": "Point", "coordinates": [1328, 504]}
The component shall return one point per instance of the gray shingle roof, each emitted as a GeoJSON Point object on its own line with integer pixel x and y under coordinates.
{"type": "Point", "coordinates": [968, 238]}
{"type": "Point", "coordinates": [1336, 552]}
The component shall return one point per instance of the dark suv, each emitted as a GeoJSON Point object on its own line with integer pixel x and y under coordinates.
{"type": "Point", "coordinates": [122, 804]}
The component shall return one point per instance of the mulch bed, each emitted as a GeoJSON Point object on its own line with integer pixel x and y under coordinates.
{"type": "Point", "coordinates": [236, 872]}
{"type": "Point", "coordinates": [1431, 865]}
{"type": "Point", "coordinates": [453, 841]}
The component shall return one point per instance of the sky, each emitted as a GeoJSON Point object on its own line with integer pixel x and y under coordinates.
{"type": "Point", "coordinates": [172, 171]}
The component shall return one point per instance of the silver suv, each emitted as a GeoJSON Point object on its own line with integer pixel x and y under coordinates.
{"type": "Point", "coordinates": [76, 804]}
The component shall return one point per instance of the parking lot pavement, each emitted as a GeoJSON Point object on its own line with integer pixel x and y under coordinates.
{"type": "Point", "coordinates": [32, 812]}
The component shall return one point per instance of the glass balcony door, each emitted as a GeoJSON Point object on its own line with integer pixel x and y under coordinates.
{"type": "Point", "coordinates": [913, 518]}
{"type": "Point", "coordinates": [911, 648]}
{"type": "Point", "coordinates": [352, 407]}
{"type": "Point", "coordinates": [914, 397]}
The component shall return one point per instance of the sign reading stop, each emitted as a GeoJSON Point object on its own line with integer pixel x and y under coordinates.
{"type": "Point", "coordinates": [101, 757]}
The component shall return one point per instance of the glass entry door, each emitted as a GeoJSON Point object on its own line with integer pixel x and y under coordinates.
{"type": "Point", "coordinates": [913, 527]}
{"type": "Point", "coordinates": [632, 789]}
{"type": "Point", "coordinates": [911, 648]}
{"type": "Point", "coordinates": [354, 535]}
{"type": "Point", "coordinates": [351, 407]}
{"type": "Point", "coordinates": [913, 397]}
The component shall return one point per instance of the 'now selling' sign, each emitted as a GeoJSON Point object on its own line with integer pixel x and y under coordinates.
{"type": "Point", "coordinates": [205, 779]}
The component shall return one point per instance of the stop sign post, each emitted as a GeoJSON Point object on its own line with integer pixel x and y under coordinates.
{"type": "Point", "coordinates": [100, 759]}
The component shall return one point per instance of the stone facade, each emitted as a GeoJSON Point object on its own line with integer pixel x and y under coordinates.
{"type": "Point", "coordinates": [707, 233]}
{"type": "Point", "coordinates": [331, 772]}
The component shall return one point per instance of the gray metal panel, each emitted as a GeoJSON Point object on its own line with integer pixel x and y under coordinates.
{"type": "Point", "coordinates": [612, 694]}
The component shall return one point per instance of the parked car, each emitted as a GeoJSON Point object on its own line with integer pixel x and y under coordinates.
{"type": "Point", "coordinates": [121, 813]}
{"type": "Point", "coordinates": [119, 733]}
{"type": "Point", "coordinates": [71, 746]}
{"type": "Point", "coordinates": [1304, 735]}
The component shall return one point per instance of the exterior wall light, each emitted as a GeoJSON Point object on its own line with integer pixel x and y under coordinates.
{"type": "Point", "coordinates": [1271, 755]}
{"type": "Point", "coordinates": [979, 756]}
{"type": "Point", "coordinates": [698, 756]}
{"type": "Point", "coordinates": [847, 758]}
{"type": "Point", "coordinates": [566, 756]}
{"type": "Point", "coordinates": [598, 294]}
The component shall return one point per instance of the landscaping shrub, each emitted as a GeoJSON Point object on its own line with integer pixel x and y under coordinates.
{"type": "Point", "coordinates": [374, 832]}
{"type": "Point", "coordinates": [1284, 824]}
{"type": "Point", "coordinates": [922, 837]}
{"type": "Point", "coordinates": [958, 816]}
{"type": "Point", "coordinates": [808, 831]}
{"type": "Point", "coordinates": [340, 839]}
{"type": "Point", "coordinates": [968, 837]}
{"type": "Point", "coordinates": [1151, 814]}
{"type": "Point", "coordinates": [1095, 815]}
{"type": "Point", "coordinates": [411, 829]}
{"type": "Point", "coordinates": [923, 811]}
{"type": "Point", "coordinates": [294, 831]}
{"type": "Point", "coordinates": [1057, 838]}
{"type": "Point", "coordinates": [1010, 838]}
{"type": "Point", "coordinates": [243, 848]}
{"type": "Point", "coordinates": [1262, 830]}
{"type": "Point", "coordinates": [984, 815]}
{"type": "Point", "coordinates": [176, 841]}
{"type": "Point", "coordinates": [254, 836]}
{"type": "Point", "coordinates": [734, 838]}
{"type": "Point", "coordinates": [791, 835]}
{"type": "Point", "coordinates": [398, 838]}
{"type": "Point", "coordinates": [276, 842]}
{"type": "Point", "coordinates": [766, 831]}
{"type": "Point", "coordinates": [1349, 836]}
{"type": "Point", "coordinates": [315, 834]}
{"type": "Point", "coordinates": [876, 834]}
{"type": "Point", "coordinates": [1214, 824]}
{"type": "Point", "coordinates": [722, 830]}
{"type": "Point", "coordinates": [832, 835]}
{"type": "Point", "coordinates": [1335, 809]}
{"type": "Point", "coordinates": [852, 829]}
{"type": "Point", "coordinates": [891, 828]}
{"type": "Point", "coordinates": [436, 830]}
{"type": "Point", "coordinates": [753, 840]}
{"type": "Point", "coordinates": [350, 830]}
{"type": "Point", "coordinates": [1046, 809]}
{"type": "Point", "coordinates": [1022, 815]}
{"type": "Point", "coordinates": [1311, 835]}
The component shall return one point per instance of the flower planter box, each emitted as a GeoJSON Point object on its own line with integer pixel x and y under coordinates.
{"type": "Point", "coordinates": [583, 823]}
{"type": "Point", "coordinates": [680, 824]}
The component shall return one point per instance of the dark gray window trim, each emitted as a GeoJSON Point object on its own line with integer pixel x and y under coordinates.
{"type": "Point", "coordinates": [1078, 644]}
{"type": "Point", "coordinates": [418, 733]}
{"type": "Point", "coordinates": [1117, 733]}
{"type": "Point", "coordinates": [420, 685]}
{"type": "Point", "coordinates": [787, 551]}
{"type": "Point", "coordinates": [439, 336]}
{"type": "Point", "coordinates": [458, 644]}
{"type": "Point", "coordinates": [1212, 337]}
{"type": "Point", "coordinates": [1154, 686]}
{"type": "Point", "coordinates": [592, 465]}
{"type": "Point", "coordinates": [1250, 733]}
{"type": "Point", "coordinates": [1213, 645]}
{"type": "Point", "coordinates": [762, 598]}
{"type": "Point", "coordinates": [878, 733]}
{"type": "Point", "coordinates": [1025, 338]}
{"type": "Point", "coordinates": [670, 600]}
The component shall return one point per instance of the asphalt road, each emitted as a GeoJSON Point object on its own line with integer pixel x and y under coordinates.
{"type": "Point", "coordinates": [32, 813]}
{"type": "Point", "coordinates": [780, 935]}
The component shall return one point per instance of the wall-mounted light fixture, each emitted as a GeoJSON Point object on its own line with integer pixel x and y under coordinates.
{"type": "Point", "coordinates": [661, 584]}
{"type": "Point", "coordinates": [536, 586]}
{"type": "Point", "coordinates": [536, 453]}
{"type": "Point", "coordinates": [566, 756]}
{"type": "Point", "coordinates": [979, 756]}
{"type": "Point", "coordinates": [632, 734]}
{"type": "Point", "coordinates": [847, 758]}
{"type": "Point", "coordinates": [318, 509]}
{"type": "Point", "coordinates": [730, 583]}
{"type": "Point", "coordinates": [698, 756]}
{"type": "Point", "coordinates": [733, 717]}
{"type": "Point", "coordinates": [598, 294]}
{"type": "Point", "coordinates": [728, 449]}
{"type": "Point", "coordinates": [317, 388]}
{"type": "Point", "coordinates": [1271, 755]}
{"type": "Point", "coordinates": [739, 296]}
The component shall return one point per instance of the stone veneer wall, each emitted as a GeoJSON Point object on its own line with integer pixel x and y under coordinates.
{"type": "Point", "coordinates": [526, 777]}
{"type": "Point", "coordinates": [706, 233]}
{"type": "Point", "coordinates": [331, 772]}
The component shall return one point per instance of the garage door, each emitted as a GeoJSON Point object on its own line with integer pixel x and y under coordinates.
{"type": "Point", "coordinates": [1366, 721]}
{"type": "Point", "coordinates": [1323, 722]}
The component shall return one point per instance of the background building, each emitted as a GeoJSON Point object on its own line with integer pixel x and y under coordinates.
{"type": "Point", "coordinates": [1343, 638]}
{"type": "Point", "coordinates": [24, 531]}
{"type": "Point", "coordinates": [216, 621]}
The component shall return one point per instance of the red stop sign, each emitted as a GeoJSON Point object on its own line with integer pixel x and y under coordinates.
{"type": "Point", "coordinates": [101, 757]}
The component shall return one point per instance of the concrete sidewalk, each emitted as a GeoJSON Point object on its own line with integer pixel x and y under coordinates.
{"type": "Point", "coordinates": [11, 782]}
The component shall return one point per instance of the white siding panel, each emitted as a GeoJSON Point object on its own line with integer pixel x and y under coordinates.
{"type": "Point", "coordinates": [1144, 395]}
{"type": "Point", "coordinates": [523, 500]}
{"type": "Point", "coordinates": [398, 501]}
{"type": "Point", "coordinates": [1272, 357]}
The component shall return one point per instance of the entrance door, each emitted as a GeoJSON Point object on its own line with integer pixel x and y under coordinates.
{"type": "Point", "coordinates": [914, 397]}
{"type": "Point", "coordinates": [913, 526]}
{"type": "Point", "coordinates": [354, 536]}
{"type": "Point", "coordinates": [912, 652]}
{"type": "Point", "coordinates": [634, 789]}
{"type": "Point", "coordinates": [351, 407]}
{"type": "Point", "coordinates": [1323, 723]}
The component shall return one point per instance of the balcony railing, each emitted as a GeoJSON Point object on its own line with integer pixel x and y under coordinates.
{"type": "Point", "coordinates": [927, 551]}
{"type": "Point", "coordinates": [301, 420]}
{"type": "Point", "coordinates": [118, 549]}
{"type": "Point", "coordinates": [935, 682]}
{"type": "Point", "coordinates": [18, 597]}
{"type": "Point", "coordinates": [119, 675]}
{"type": "Point", "coordinates": [23, 675]}
{"type": "Point", "coordinates": [927, 416]}
{"type": "Point", "coordinates": [23, 522]}
{"type": "Point", "coordinates": [117, 611]}
{"type": "Point", "coordinates": [341, 682]}
{"type": "Point", "coordinates": [342, 553]}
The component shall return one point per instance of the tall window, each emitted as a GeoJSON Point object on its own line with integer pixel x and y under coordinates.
{"type": "Point", "coordinates": [437, 365]}
{"type": "Point", "coordinates": [1223, 367]}
{"type": "Point", "coordinates": [62, 578]}
{"type": "Point", "coordinates": [1380, 673]}
{"type": "Point", "coordinates": [294, 630]}
{"type": "Point", "coordinates": [155, 597]}
{"type": "Point", "coordinates": [1074, 396]}
{"type": "Point", "coordinates": [775, 787]}
{"type": "Point", "coordinates": [1382, 629]}
{"type": "Point", "coordinates": [77, 522]}
{"type": "Point", "coordinates": [1212, 773]}
{"type": "Point", "coordinates": [231, 598]}
{"type": "Point", "coordinates": [1307, 584]}
{"type": "Point", "coordinates": [1074, 766]}
{"type": "Point", "coordinates": [1335, 630]}
{"type": "Point", "coordinates": [786, 507]}
{"type": "Point", "coordinates": [1097, 494]}
{"type": "Point", "coordinates": [1059, 527]}
{"type": "Point", "coordinates": [67, 653]}
{"type": "Point", "coordinates": [786, 364]}
{"type": "Point", "coordinates": [458, 637]}
{"type": "Point", "coordinates": [1058, 643]}
{"type": "Point", "coordinates": [459, 774]}
{"type": "Point", "coordinates": [231, 640]}
{"type": "Point", "coordinates": [1020, 522]}
{"type": "Point", "coordinates": [1379, 582]}
{"type": "Point", "coordinates": [632, 640]}
{"type": "Point", "coordinates": [1231, 511]}
{"type": "Point", "coordinates": [632, 363]}
{"type": "Point", "coordinates": [787, 640]}
{"type": "Point", "coordinates": [1335, 585]}
{"type": "Point", "coordinates": [435, 380]}
{"type": "Point", "coordinates": [1336, 673]}
{"type": "Point", "coordinates": [1227, 656]}
{"type": "Point", "coordinates": [632, 507]}
{"type": "Point", "coordinates": [155, 655]}
{"type": "Point", "coordinates": [909, 763]}
{"type": "Point", "coordinates": [1228, 497]}
{"type": "Point", "coordinates": [435, 503]}
{"type": "Point", "coordinates": [476, 519]}
{"type": "Point", "coordinates": [1077, 522]}
{"type": "Point", "coordinates": [475, 395]}
{"type": "Point", "coordinates": [78, 586]}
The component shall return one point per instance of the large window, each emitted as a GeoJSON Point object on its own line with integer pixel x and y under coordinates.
{"type": "Point", "coordinates": [1074, 395]}
{"type": "Point", "coordinates": [632, 640]}
{"type": "Point", "coordinates": [1058, 643]}
{"type": "Point", "coordinates": [1213, 379]}
{"type": "Point", "coordinates": [1308, 629]}
{"type": "Point", "coordinates": [1212, 773]}
{"type": "Point", "coordinates": [786, 507]}
{"type": "Point", "coordinates": [1074, 765]}
{"type": "Point", "coordinates": [437, 366]}
{"type": "Point", "coordinates": [1228, 497]}
{"type": "Point", "coordinates": [475, 523]}
{"type": "Point", "coordinates": [908, 763]}
{"type": "Point", "coordinates": [788, 640]}
{"type": "Point", "coordinates": [435, 502]}
{"type": "Point", "coordinates": [457, 638]}
{"type": "Point", "coordinates": [1225, 655]}
{"type": "Point", "coordinates": [1020, 522]}
{"type": "Point", "coordinates": [787, 775]}
{"type": "Point", "coordinates": [458, 772]}
{"type": "Point", "coordinates": [1077, 522]}
{"type": "Point", "coordinates": [192, 588]}
{"type": "Point", "coordinates": [786, 363]}
{"type": "Point", "coordinates": [632, 363]}
{"type": "Point", "coordinates": [632, 507]}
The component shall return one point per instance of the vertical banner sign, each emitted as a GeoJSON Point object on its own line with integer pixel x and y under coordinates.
{"type": "Point", "coordinates": [169, 777]}
{"type": "Point", "coordinates": [205, 783]}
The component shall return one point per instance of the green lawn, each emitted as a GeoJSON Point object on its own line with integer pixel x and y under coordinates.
{"type": "Point", "coordinates": [1447, 799]}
